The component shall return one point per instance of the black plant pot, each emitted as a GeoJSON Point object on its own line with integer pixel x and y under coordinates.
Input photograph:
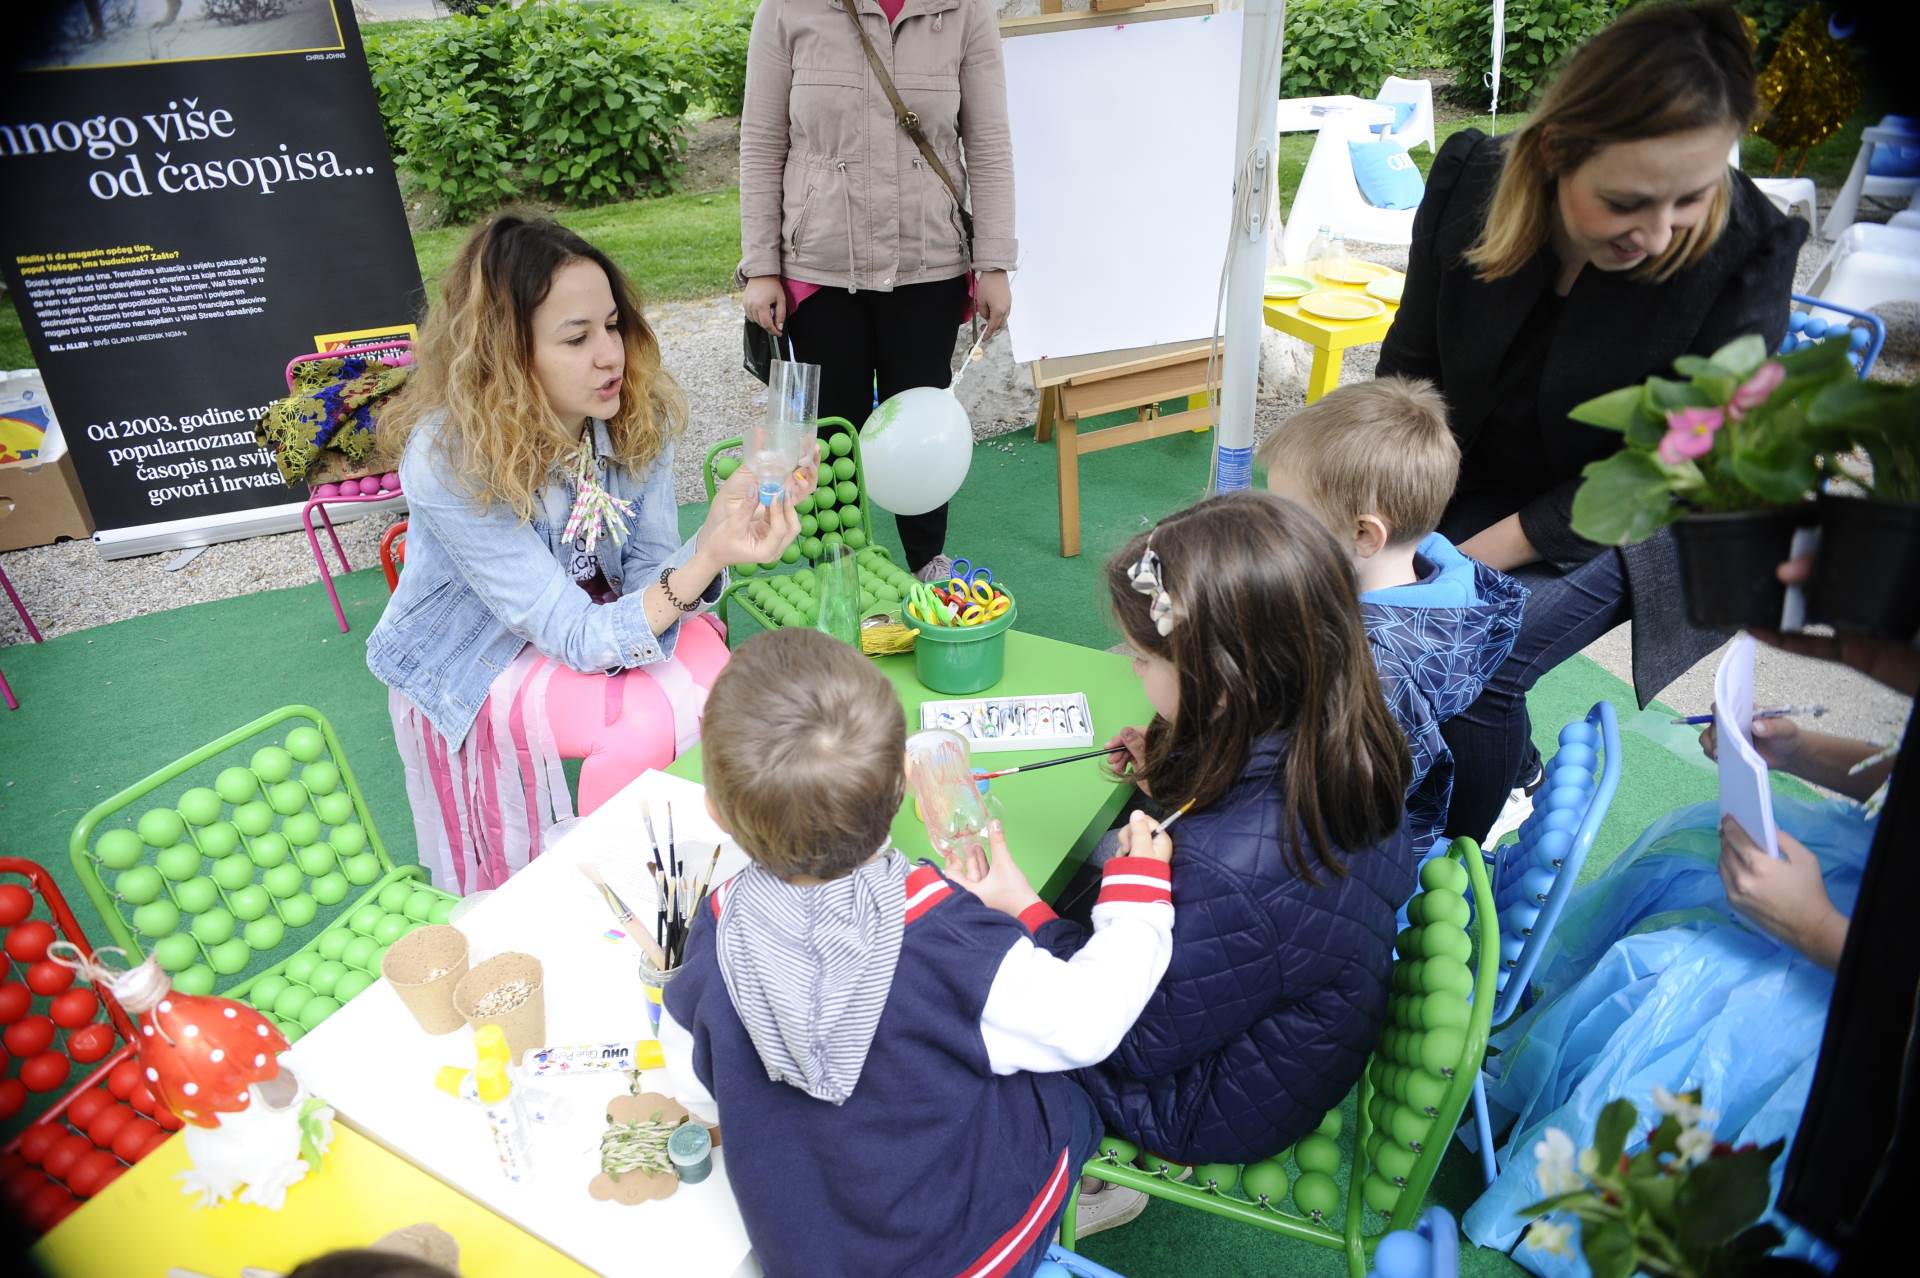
{"type": "Point", "coordinates": [1727, 564]}
{"type": "Point", "coordinates": [1867, 575]}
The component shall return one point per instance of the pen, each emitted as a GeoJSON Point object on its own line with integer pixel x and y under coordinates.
{"type": "Point", "coordinates": [1772, 712]}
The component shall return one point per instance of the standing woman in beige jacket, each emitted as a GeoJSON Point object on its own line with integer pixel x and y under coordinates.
{"type": "Point", "coordinates": [852, 246]}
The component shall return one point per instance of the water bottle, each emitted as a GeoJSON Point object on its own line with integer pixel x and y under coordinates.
{"type": "Point", "coordinates": [1317, 249]}
{"type": "Point", "coordinates": [1334, 264]}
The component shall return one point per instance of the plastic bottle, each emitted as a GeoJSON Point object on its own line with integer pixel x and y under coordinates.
{"type": "Point", "coordinates": [955, 806]}
{"type": "Point", "coordinates": [1317, 249]}
{"type": "Point", "coordinates": [772, 453]}
{"type": "Point", "coordinates": [785, 434]}
{"type": "Point", "coordinates": [1335, 261]}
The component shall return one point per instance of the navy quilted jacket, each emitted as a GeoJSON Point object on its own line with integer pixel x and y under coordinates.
{"type": "Point", "coordinates": [1436, 642]}
{"type": "Point", "coordinates": [1276, 993]}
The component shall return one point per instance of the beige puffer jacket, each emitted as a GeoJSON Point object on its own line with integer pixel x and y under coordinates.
{"type": "Point", "coordinates": [832, 190]}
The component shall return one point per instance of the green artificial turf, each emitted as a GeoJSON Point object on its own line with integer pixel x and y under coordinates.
{"type": "Point", "coordinates": [102, 708]}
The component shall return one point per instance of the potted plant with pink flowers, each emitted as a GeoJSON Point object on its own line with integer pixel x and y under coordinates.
{"type": "Point", "coordinates": [1733, 456]}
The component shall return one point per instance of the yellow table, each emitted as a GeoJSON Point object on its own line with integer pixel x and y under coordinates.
{"type": "Point", "coordinates": [1329, 338]}
{"type": "Point", "coordinates": [142, 1225]}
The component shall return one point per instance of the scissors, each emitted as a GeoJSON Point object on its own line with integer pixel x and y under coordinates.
{"type": "Point", "coordinates": [969, 576]}
{"type": "Point", "coordinates": [978, 613]}
{"type": "Point", "coordinates": [924, 604]}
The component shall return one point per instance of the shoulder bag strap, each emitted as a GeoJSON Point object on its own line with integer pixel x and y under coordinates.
{"type": "Point", "coordinates": [908, 120]}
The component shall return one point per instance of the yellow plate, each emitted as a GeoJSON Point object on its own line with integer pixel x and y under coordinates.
{"type": "Point", "coordinates": [1387, 288]}
{"type": "Point", "coordinates": [1341, 306]}
{"type": "Point", "coordinates": [1352, 271]}
{"type": "Point", "coordinates": [1287, 286]}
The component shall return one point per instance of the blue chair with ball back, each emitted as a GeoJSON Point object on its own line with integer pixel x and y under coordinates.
{"type": "Point", "coordinates": [1429, 1250]}
{"type": "Point", "coordinates": [1863, 331]}
{"type": "Point", "coordinates": [1534, 875]}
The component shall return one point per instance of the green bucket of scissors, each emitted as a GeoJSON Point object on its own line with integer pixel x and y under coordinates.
{"type": "Point", "coordinates": [963, 649]}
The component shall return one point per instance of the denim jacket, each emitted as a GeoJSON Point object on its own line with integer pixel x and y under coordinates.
{"type": "Point", "coordinates": [480, 584]}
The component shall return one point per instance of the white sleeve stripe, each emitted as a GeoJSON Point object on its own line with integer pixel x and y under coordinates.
{"type": "Point", "coordinates": [1135, 880]}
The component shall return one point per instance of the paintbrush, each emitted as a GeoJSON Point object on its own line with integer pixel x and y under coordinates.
{"type": "Point", "coordinates": [1178, 812]}
{"type": "Point", "coordinates": [673, 844]}
{"type": "Point", "coordinates": [624, 913]}
{"type": "Point", "coordinates": [1102, 752]}
{"type": "Point", "coordinates": [706, 880]}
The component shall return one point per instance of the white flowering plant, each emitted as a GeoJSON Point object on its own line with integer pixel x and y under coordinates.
{"type": "Point", "coordinates": [1683, 1206]}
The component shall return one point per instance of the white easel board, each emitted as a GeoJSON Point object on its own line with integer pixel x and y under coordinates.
{"type": "Point", "coordinates": [1123, 172]}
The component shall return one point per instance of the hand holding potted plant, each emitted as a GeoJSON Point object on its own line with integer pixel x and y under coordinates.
{"type": "Point", "coordinates": [1685, 1206]}
{"type": "Point", "coordinates": [1732, 457]}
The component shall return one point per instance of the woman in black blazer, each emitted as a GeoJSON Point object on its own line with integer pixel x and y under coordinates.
{"type": "Point", "coordinates": [1583, 253]}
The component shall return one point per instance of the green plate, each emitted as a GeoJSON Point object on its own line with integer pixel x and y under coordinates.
{"type": "Point", "coordinates": [1286, 286]}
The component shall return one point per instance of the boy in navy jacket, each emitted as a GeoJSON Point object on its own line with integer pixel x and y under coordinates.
{"type": "Point", "coordinates": [885, 1051]}
{"type": "Point", "coordinates": [1376, 463]}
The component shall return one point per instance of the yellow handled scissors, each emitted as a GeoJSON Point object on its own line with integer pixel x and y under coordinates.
{"type": "Point", "coordinates": [974, 591]}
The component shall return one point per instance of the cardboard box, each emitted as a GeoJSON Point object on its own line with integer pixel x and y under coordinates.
{"type": "Point", "coordinates": [42, 489]}
{"type": "Point", "coordinates": [47, 503]}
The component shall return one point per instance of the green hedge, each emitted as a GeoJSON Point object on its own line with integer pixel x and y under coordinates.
{"type": "Point", "coordinates": [569, 104]}
{"type": "Point", "coordinates": [1539, 34]}
{"type": "Point", "coordinates": [1346, 46]}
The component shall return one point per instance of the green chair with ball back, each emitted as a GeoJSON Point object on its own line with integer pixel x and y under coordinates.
{"type": "Point", "coordinates": [1410, 1099]}
{"type": "Point", "coordinates": [837, 512]}
{"type": "Point", "coordinates": [254, 863]}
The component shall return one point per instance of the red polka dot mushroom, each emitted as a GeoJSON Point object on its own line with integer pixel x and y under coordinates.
{"type": "Point", "coordinates": [216, 1063]}
{"type": "Point", "coordinates": [201, 1056]}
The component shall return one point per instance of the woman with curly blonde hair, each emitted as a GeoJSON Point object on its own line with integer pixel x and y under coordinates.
{"type": "Point", "coordinates": [549, 608]}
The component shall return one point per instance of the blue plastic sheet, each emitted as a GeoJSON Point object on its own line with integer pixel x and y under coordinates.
{"type": "Point", "coordinates": [1650, 980]}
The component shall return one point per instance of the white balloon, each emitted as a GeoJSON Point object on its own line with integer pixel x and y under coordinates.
{"type": "Point", "coordinates": [915, 450]}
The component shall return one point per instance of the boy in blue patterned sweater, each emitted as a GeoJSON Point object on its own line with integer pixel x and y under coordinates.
{"type": "Point", "coordinates": [1376, 463]}
{"type": "Point", "coordinates": [886, 1053]}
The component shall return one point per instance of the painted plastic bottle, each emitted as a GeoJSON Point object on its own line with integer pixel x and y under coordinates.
{"type": "Point", "coordinates": [505, 1114]}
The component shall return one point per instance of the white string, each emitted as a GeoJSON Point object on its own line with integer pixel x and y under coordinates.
{"type": "Point", "coordinates": [138, 990]}
{"type": "Point", "coordinates": [973, 357]}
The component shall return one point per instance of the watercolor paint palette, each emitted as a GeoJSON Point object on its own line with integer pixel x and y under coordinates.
{"type": "Point", "coordinates": [990, 724]}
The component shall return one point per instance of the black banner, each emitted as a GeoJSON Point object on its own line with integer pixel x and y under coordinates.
{"type": "Point", "coordinates": [197, 192]}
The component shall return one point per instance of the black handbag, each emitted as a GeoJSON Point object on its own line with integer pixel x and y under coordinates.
{"type": "Point", "coordinates": [757, 351]}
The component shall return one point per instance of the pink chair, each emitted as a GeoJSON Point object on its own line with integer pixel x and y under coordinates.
{"type": "Point", "coordinates": [371, 488]}
{"type": "Point", "coordinates": [33, 633]}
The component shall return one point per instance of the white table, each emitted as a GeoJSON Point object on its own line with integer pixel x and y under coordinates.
{"type": "Point", "coordinates": [1305, 115]}
{"type": "Point", "coordinates": [376, 1066]}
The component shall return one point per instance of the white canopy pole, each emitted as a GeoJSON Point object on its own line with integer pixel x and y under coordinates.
{"type": "Point", "coordinates": [1246, 269]}
{"type": "Point", "coordinates": [1499, 52]}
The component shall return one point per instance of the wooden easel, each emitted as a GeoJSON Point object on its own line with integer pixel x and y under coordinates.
{"type": "Point", "coordinates": [1137, 380]}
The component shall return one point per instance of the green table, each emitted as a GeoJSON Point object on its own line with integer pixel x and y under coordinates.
{"type": "Point", "coordinates": [1055, 817]}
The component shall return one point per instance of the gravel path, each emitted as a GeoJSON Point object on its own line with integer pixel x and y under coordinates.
{"type": "Point", "coordinates": [70, 588]}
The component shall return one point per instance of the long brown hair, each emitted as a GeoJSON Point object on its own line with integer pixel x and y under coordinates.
{"type": "Point", "coordinates": [1267, 639]}
{"type": "Point", "coordinates": [1657, 70]}
{"type": "Point", "coordinates": [475, 360]}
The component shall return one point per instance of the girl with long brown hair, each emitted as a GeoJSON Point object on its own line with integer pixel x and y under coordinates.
{"type": "Point", "coordinates": [1243, 618]}
{"type": "Point", "coordinates": [1587, 251]}
{"type": "Point", "coordinates": [550, 608]}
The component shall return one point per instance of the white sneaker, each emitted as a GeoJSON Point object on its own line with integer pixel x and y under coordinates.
{"type": "Point", "coordinates": [1518, 807]}
{"type": "Point", "coordinates": [938, 570]}
{"type": "Point", "coordinates": [1107, 1207]}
